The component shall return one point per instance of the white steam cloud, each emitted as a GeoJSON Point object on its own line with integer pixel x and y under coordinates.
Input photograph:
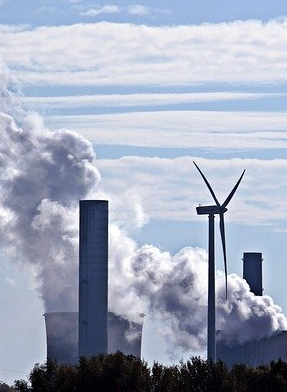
{"type": "Point", "coordinates": [43, 174]}
{"type": "Point", "coordinates": [42, 177]}
{"type": "Point", "coordinates": [173, 289]}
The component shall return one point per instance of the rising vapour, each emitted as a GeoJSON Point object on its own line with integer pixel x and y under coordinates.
{"type": "Point", "coordinates": [43, 174]}
{"type": "Point", "coordinates": [42, 177]}
{"type": "Point", "coordinates": [173, 290]}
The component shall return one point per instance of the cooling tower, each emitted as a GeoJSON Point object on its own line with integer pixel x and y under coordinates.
{"type": "Point", "coordinates": [256, 352]}
{"type": "Point", "coordinates": [124, 335]}
{"type": "Point", "coordinates": [93, 278]}
{"type": "Point", "coordinates": [252, 271]}
{"type": "Point", "coordinates": [62, 337]}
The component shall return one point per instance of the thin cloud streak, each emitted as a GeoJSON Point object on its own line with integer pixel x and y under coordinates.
{"type": "Point", "coordinates": [181, 129]}
{"type": "Point", "coordinates": [131, 100]}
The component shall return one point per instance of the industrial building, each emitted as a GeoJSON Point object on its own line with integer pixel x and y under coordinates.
{"type": "Point", "coordinates": [62, 336]}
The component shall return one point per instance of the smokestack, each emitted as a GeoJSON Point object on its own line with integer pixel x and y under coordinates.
{"type": "Point", "coordinates": [252, 271]}
{"type": "Point", "coordinates": [93, 278]}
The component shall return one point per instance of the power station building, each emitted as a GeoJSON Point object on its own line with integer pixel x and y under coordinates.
{"type": "Point", "coordinates": [62, 336]}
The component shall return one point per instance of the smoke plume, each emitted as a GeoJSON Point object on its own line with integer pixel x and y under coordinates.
{"type": "Point", "coordinates": [43, 174]}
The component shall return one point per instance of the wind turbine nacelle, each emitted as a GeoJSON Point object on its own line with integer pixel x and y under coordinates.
{"type": "Point", "coordinates": [208, 210]}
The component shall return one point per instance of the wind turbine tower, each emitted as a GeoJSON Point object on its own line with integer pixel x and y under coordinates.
{"type": "Point", "coordinates": [211, 211]}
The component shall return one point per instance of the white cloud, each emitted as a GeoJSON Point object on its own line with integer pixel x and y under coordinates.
{"type": "Point", "coordinates": [172, 188]}
{"type": "Point", "coordinates": [106, 9]}
{"type": "Point", "coordinates": [149, 99]}
{"type": "Point", "coordinates": [142, 10]}
{"type": "Point", "coordinates": [119, 54]}
{"type": "Point", "coordinates": [181, 129]}
{"type": "Point", "coordinates": [138, 9]}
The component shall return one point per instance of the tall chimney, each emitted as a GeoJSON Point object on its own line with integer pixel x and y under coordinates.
{"type": "Point", "coordinates": [252, 271]}
{"type": "Point", "coordinates": [93, 278]}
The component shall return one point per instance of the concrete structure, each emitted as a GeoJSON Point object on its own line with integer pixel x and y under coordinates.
{"type": "Point", "coordinates": [93, 278]}
{"type": "Point", "coordinates": [62, 337]}
{"type": "Point", "coordinates": [252, 271]}
{"type": "Point", "coordinates": [256, 352]}
{"type": "Point", "coordinates": [124, 335]}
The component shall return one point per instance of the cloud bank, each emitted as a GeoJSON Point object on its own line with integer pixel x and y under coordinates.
{"type": "Point", "coordinates": [127, 54]}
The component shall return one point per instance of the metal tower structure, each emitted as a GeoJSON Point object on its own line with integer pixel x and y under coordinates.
{"type": "Point", "coordinates": [211, 211]}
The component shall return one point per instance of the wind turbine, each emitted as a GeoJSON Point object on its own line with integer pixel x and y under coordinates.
{"type": "Point", "coordinates": [217, 209]}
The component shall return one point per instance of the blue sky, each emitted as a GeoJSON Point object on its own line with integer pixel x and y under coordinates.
{"type": "Point", "coordinates": [49, 12]}
{"type": "Point", "coordinates": [150, 85]}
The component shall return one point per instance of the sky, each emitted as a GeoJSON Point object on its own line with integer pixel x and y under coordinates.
{"type": "Point", "coordinates": [153, 88]}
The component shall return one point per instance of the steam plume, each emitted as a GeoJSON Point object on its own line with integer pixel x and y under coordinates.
{"type": "Point", "coordinates": [173, 289]}
{"type": "Point", "coordinates": [42, 177]}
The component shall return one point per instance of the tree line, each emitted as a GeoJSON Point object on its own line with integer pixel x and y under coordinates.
{"type": "Point", "coordinates": [125, 373]}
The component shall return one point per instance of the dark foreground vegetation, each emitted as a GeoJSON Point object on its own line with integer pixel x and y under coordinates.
{"type": "Point", "coordinates": [121, 373]}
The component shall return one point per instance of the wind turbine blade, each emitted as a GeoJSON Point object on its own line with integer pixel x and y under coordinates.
{"type": "Point", "coordinates": [233, 191]}
{"type": "Point", "coordinates": [222, 234]}
{"type": "Point", "coordinates": [208, 185]}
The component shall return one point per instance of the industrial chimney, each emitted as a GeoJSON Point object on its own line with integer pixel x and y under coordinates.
{"type": "Point", "coordinates": [93, 278]}
{"type": "Point", "coordinates": [252, 271]}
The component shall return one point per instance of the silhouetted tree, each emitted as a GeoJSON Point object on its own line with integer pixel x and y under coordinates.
{"type": "Point", "coordinates": [6, 388]}
{"type": "Point", "coordinates": [125, 373]}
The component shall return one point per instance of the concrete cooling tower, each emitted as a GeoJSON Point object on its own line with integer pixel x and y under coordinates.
{"type": "Point", "coordinates": [62, 336]}
{"type": "Point", "coordinates": [124, 335]}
